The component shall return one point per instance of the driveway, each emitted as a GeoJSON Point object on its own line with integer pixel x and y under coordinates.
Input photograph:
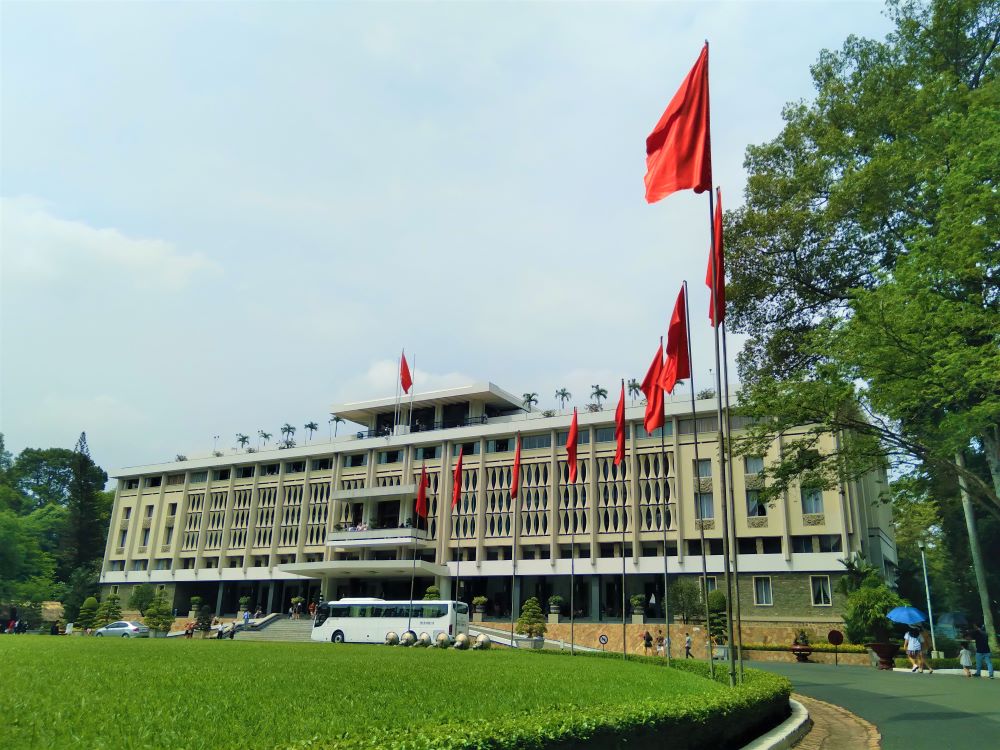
{"type": "Point", "coordinates": [912, 711]}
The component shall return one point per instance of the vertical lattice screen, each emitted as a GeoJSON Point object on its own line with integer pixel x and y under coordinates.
{"type": "Point", "coordinates": [192, 523]}
{"type": "Point", "coordinates": [389, 480]}
{"type": "Point", "coordinates": [498, 502]}
{"type": "Point", "coordinates": [241, 518]}
{"type": "Point", "coordinates": [654, 492]}
{"type": "Point", "coordinates": [433, 484]}
{"type": "Point", "coordinates": [319, 504]}
{"type": "Point", "coordinates": [612, 494]}
{"type": "Point", "coordinates": [533, 503]}
{"type": "Point", "coordinates": [572, 508]}
{"type": "Point", "coordinates": [463, 518]}
{"type": "Point", "coordinates": [291, 513]}
{"type": "Point", "coordinates": [266, 499]}
{"type": "Point", "coordinates": [216, 520]}
{"type": "Point", "coordinates": [345, 507]}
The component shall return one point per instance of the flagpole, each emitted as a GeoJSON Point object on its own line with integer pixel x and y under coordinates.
{"type": "Point", "coordinates": [399, 374]}
{"type": "Point", "coordinates": [515, 518]}
{"type": "Point", "coordinates": [732, 498]}
{"type": "Point", "coordinates": [664, 493]}
{"type": "Point", "coordinates": [413, 571]}
{"type": "Point", "coordinates": [413, 392]}
{"type": "Point", "coordinates": [697, 490]}
{"type": "Point", "coordinates": [721, 440]}
{"type": "Point", "coordinates": [572, 576]}
{"type": "Point", "coordinates": [621, 476]}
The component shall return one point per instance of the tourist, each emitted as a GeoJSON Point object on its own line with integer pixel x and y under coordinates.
{"type": "Point", "coordinates": [687, 646]}
{"type": "Point", "coordinates": [965, 659]}
{"type": "Point", "coordinates": [982, 651]}
{"type": "Point", "coordinates": [258, 614]}
{"type": "Point", "coordinates": [291, 612]}
{"type": "Point", "coordinates": [647, 642]}
{"type": "Point", "coordinates": [911, 643]}
{"type": "Point", "coordinates": [189, 630]}
{"type": "Point", "coordinates": [659, 643]}
{"type": "Point", "coordinates": [925, 649]}
{"type": "Point", "coordinates": [312, 610]}
{"type": "Point", "coordinates": [246, 618]}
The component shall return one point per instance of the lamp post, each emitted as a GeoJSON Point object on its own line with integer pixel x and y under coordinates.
{"type": "Point", "coordinates": [927, 591]}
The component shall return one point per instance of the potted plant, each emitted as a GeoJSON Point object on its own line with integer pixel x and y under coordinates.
{"type": "Point", "coordinates": [555, 607]}
{"type": "Point", "coordinates": [478, 608]}
{"type": "Point", "coordinates": [194, 607]}
{"type": "Point", "coordinates": [801, 647]}
{"type": "Point", "coordinates": [865, 620]}
{"type": "Point", "coordinates": [638, 603]}
{"type": "Point", "coordinates": [244, 603]}
{"type": "Point", "coordinates": [531, 625]}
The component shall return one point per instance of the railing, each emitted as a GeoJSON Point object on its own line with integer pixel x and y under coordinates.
{"type": "Point", "coordinates": [370, 537]}
{"type": "Point", "coordinates": [446, 424]}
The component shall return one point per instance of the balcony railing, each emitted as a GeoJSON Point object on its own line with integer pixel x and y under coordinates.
{"type": "Point", "coordinates": [446, 424]}
{"type": "Point", "coordinates": [389, 537]}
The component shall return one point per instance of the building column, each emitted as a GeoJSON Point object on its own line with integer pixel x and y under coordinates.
{"type": "Point", "coordinates": [595, 597]}
{"type": "Point", "coordinates": [270, 595]}
{"type": "Point", "coordinates": [218, 599]}
{"type": "Point", "coordinates": [515, 597]}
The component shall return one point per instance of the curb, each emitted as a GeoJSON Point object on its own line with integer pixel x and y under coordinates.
{"type": "Point", "coordinates": [786, 734]}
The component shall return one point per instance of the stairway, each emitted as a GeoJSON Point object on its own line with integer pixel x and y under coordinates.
{"type": "Point", "coordinates": [281, 629]}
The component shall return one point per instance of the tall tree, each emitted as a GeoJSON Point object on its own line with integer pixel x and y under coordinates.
{"type": "Point", "coordinates": [598, 394]}
{"type": "Point", "coordinates": [89, 511]}
{"type": "Point", "coordinates": [529, 400]}
{"type": "Point", "coordinates": [311, 427]}
{"type": "Point", "coordinates": [634, 389]}
{"type": "Point", "coordinates": [563, 395]}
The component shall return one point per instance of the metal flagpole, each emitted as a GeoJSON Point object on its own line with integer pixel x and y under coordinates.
{"type": "Point", "coordinates": [720, 440]}
{"type": "Point", "coordinates": [664, 495]}
{"type": "Point", "coordinates": [413, 571]}
{"type": "Point", "coordinates": [413, 392]}
{"type": "Point", "coordinates": [515, 518]}
{"type": "Point", "coordinates": [621, 476]}
{"type": "Point", "coordinates": [737, 608]}
{"type": "Point", "coordinates": [697, 489]}
{"type": "Point", "coordinates": [399, 373]}
{"type": "Point", "coordinates": [572, 577]}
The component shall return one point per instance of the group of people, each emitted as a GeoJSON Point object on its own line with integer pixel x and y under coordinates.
{"type": "Point", "coordinates": [917, 644]}
{"type": "Point", "coordinates": [981, 655]}
{"type": "Point", "coordinates": [660, 645]}
{"type": "Point", "coordinates": [295, 611]}
{"type": "Point", "coordinates": [16, 627]}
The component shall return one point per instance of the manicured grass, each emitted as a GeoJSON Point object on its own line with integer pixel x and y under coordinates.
{"type": "Point", "coordinates": [93, 693]}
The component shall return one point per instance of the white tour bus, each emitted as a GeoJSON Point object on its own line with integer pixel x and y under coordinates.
{"type": "Point", "coordinates": [369, 620]}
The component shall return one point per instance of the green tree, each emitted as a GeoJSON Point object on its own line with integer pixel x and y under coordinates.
{"type": "Point", "coordinates": [531, 622]}
{"type": "Point", "coordinates": [598, 394]}
{"type": "Point", "coordinates": [109, 610]}
{"type": "Point", "coordinates": [685, 598]}
{"type": "Point", "coordinates": [529, 400]}
{"type": "Point", "coordinates": [311, 427]}
{"type": "Point", "coordinates": [83, 582]}
{"type": "Point", "coordinates": [87, 616]}
{"type": "Point", "coordinates": [433, 592]}
{"type": "Point", "coordinates": [43, 476]}
{"type": "Point", "coordinates": [336, 422]}
{"type": "Point", "coordinates": [563, 396]}
{"type": "Point", "coordinates": [264, 437]}
{"type": "Point", "coordinates": [89, 511]}
{"type": "Point", "coordinates": [634, 389]}
{"type": "Point", "coordinates": [141, 597]}
{"type": "Point", "coordinates": [159, 617]}
{"type": "Point", "coordinates": [865, 615]}
{"type": "Point", "coordinates": [242, 440]}
{"type": "Point", "coordinates": [204, 622]}
{"type": "Point", "coordinates": [717, 620]}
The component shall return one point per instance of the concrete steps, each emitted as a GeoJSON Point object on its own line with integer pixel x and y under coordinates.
{"type": "Point", "coordinates": [280, 630]}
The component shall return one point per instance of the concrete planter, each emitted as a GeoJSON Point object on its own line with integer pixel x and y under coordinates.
{"type": "Point", "coordinates": [525, 642]}
{"type": "Point", "coordinates": [553, 617]}
{"type": "Point", "coordinates": [638, 616]}
{"type": "Point", "coordinates": [477, 616]}
{"type": "Point", "coordinates": [886, 652]}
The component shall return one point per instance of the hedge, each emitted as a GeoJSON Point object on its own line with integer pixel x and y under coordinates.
{"type": "Point", "coordinates": [723, 719]}
{"type": "Point", "coordinates": [826, 648]}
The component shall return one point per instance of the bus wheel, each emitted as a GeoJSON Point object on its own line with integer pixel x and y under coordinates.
{"type": "Point", "coordinates": [338, 637]}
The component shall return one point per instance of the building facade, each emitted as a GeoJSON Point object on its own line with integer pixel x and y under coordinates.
{"type": "Point", "coordinates": [336, 518]}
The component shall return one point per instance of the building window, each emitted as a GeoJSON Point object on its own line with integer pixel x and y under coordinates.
{"type": "Point", "coordinates": [114, 590]}
{"type": "Point", "coordinates": [117, 565]}
{"type": "Point", "coordinates": [220, 475]}
{"type": "Point", "coordinates": [468, 449]}
{"type": "Point", "coordinates": [122, 537]}
{"type": "Point", "coordinates": [747, 545]}
{"type": "Point", "coordinates": [390, 457]}
{"type": "Point", "coordinates": [172, 509]}
{"type": "Point", "coordinates": [126, 513]}
{"type": "Point", "coordinates": [705, 425]}
{"type": "Point", "coordinates": [322, 464]}
{"type": "Point", "coordinates": [270, 470]}
{"type": "Point", "coordinates": [812, 500]}
{"type": "Point", "coordinates": [762, 591]}
{"type": "Point", "coordinates": [830, 542]}
{"type": "Point", "coordinates": [500, 445]}
{"type": "Point", "coordinates": [706, 508]}
{"type": "Point", "coordinates": [169, 536]}
{"type": "Point", "coordinates": [355, 460]}
{"type": "Point", "coordinates": [821, 591]}
{"type": "Point", "coordinates": [131, 484]}
{"type": "Point", "coordinates": [640, 431]}
{"type": "Point", "coordinates": [607, 434]}
{"type": "Point", "coordinates": [802, 544]}
{"type": "Point", "coordinates": [139, 564]}
{"type": "Point", "coordinates": [245, 472]}
{"type": "Point", "coordinates": [163, 564]}
{"type": "Point", "coordinates": [295, 467]}
{"type": "Point", "coordinates": [582, 438]}
{"type": "Point", "coordinates": [175, 479]}
{"type": "Point", "coordinates": [199, 477]}
{"type": "Point", "coordinates": [754, 506]}
{"type": "Point", "coordinates": [427, 451]}
{"type": "Point", "coordinates": [145, 537]}
{"type": "Point", "coordinates": [753, 464]}
{"type": "Point", "coordinates": [711, 583]}
{"type": "Point", "coordinates": [188, 563]}
{"type": "Point", "coordinates": [771, 545]}
{"type": "Point", "coordinates": [153, 481]}
{"type": "Point", "coordinates": [704, 468]}
{"type": "Point", "coordinates": [536, 442]}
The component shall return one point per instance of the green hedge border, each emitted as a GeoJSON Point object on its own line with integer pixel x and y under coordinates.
{"type": "Point", "coordinates": [727, 720]}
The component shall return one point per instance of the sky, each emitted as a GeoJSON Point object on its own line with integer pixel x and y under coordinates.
{"type": "Point", "coordinates": [221, 217]}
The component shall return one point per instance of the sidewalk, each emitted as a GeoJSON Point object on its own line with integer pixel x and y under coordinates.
{"type": "Point", "coordinates": [835, 728]}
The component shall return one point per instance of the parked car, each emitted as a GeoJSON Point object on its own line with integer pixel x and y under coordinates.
{"type": "Point", "coordinates": [123, 629]}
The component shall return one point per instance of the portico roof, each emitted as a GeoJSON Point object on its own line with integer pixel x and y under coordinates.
{"type": "Point", "coordinates": [361, 411]}
{"type": "Point", "coordinates": [364, 569]}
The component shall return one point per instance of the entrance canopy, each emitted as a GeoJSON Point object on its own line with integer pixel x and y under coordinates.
{"type": "Point", "coordinates": [365, 569]}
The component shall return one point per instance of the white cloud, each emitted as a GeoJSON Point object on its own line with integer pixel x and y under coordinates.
{"type": "Point", "coordinates": [40, 247]}
{"type": "Point", "coordinates": [381, 379]}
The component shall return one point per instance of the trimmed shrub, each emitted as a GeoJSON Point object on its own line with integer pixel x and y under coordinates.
{"type": "Point", "coordinates": [88, 613]}
{"type": "Point", "coordinates": [531, 622]}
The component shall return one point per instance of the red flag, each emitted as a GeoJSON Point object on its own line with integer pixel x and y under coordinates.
{"type": "Point", "coordinates": [620, 427]}
{"type": "Point", "coordinates": [679, 150]}
{"type": "Point", "coordinates": [678, 366]}
{"type": "Point", "coordinates": [515, 475]}
{"type": "Point", "coordinates": [405, 379]}
{"type": "Point", "coordinates": [718, 300]}
{"type": "Point", "coordinates": [422, 493]}
{"type": "Point", "coordinates": [571, 448]}
{"type": "Point", "coordinates": [654, 392]}
{"type": "Point", "coordinates": [456, 481]}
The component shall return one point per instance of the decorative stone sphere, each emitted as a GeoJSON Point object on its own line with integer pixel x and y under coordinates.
{"type": "Point", "coordinates": [391, 639]}
{"type": "Point", "coordinates": [483, 642]}
{"type": "Point", "coordinates": [424, 640]}
{"type": "Point", "coordinates": [443, 641]}
{"type": "Point", "coordinates": [408, 638]}
{"type": "Point", "coordinates": [462, 641]}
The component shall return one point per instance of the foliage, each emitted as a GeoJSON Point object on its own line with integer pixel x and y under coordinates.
{"type": "Point", "coordinates": [593, 408]}
{"type": "Point", "coordinates": [531, 621]}
{"type": "Point", "coordinates": [844, 648]}
{"type": "Point", "coordinates": [717, 619]}
{"type": "Point", "coordinates": [563, 396]}
{"type": "Point", "coordinates": [864, 615]}
{"type": "Point", "coordinates": [705, 393]}
{"type": "Point", "coordinates": [549, 413]}
{"type": "Point", "coordinates": [685, 598]}
{"type": "Point", "coordinates": [598, 394]}
{"type": "Point", "coordinates": [529, 400]}
{"type": "Point", "coordinates": [858, 572]}
{"type": "Point", "coordinates": [141, 596]}
{"type": "Point", "coordinates": [244, 602]}
{"type": "Point", "coordinates": [433, 592]}
{"type": "Point", "coordinates": [204, 621]}
{"type": "Point", "coordinates": [159, 616]}
{"type": "Point", "coordinates": [87, 614]}
{"type": "Point", "coordinates": [638, 602]}
{"type": "Point", "coordinates": [109, 610]}
{"type": "Point", "coordinates": [83, 582]}
{"type": "Point", "coordinates": [479, 601]}
{"type": "Point", "coordinates": [649, 701]}
{"type": "Point", "coordinates": [801, 638]}
{"type": "Point", "coordinates": [195, 603]}
{"type": "Point", "coordinates": [556, 601]}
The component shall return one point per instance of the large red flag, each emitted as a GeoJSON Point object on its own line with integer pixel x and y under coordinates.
{"type": "Point", "coordinates": [620, 427]}
{"type": "Point", "coordinates": [422, 493]}
{"type": "Point", "coordinates": [515, 475]}
{"type": "Point", "coordinates": [571, 448]}
{"type": "Point", "coordinates": [679, 150]}
{"type": "Point", "coordinates": [405, 379]}
{"type": "Point", "coordinates": [717, 257]}
{"type": "Point", "coordinates": [654, 392]}
{"type": "Point", "coordinates": [678, 365]}
{"type": "Point", "coordinates": [456, 481]}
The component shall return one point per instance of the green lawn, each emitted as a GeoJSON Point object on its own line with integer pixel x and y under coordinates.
{"type": "Point", "coordinates": [101, 693]}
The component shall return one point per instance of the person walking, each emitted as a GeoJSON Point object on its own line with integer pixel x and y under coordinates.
{"type": "Point", "coordinates": [911, 642]}
{"type": "Point", "coordinates": [965, 657]}
{"type": "Point", "coordinates": [925, 649]}
{"type": "Point", "coordinates": [246, 618]}
{"type": "Point", "coordinates": [660, 643]}
{"type": "Point", "coordinates": [647, 642]}
{"type": "Point", "coordinates": [982, 651]}
{"type": "Point", "coordinates": [687, 646]}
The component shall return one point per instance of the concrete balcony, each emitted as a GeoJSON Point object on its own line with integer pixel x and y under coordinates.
{"type": "Point", "coordinates": [399, 491]}
{"type": "Point", "coordinates": [392, 537]}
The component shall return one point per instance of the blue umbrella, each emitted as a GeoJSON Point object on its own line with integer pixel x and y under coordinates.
{"type": "Point", "coordinates": [907, 615]}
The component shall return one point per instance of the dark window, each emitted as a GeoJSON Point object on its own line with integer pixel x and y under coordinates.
{"type": "Point", "coordinates": [172, 509]}
{"type": "Point", "coordinates": [131, 484]}
{"type": "Point", "coordinates": [534, 442]}
{"type": "Point", "coordinates": [269, 470]}
{"type": "Point", "coordinates": [649, 550]}
{"type": "Point", "coordinates": [468, 449]}
{"type": "Point", "coordinates": [492, 553]}
{"type": "Point", "coordinates": [244, 472]}
{"type": "Point", "coordinates": [607, 550]}
{"type": "Point", "coordinates": [153, 481]}
{"type": "Point", "coordinates": [754, 505]}
{"type": "Point", "coordinates": [197, 477]}
{"type": "Point", "coordinates": [582, 438]}
{"type": "Point", "coordinates": [802, 544]}
{"type": "Point", "coordinates": [322, 612]}
{"type": "Point", "coordinates": [747, 546]}
{"type": "Point", "coordinates": [605, 435]}
{"type": "Point", "coordinates": [694, 547]}
{"type": "Point", "coordinates": [640, 431]}
{"type": "Point", "coordinates": [428, 451]}
{"type": "Point", "coordinates": [772, 545]}
{"type": "Point", "coordinates": [714, 546]}
{"type": "Point", "coordinates": [705, 425]}
{"type": "Point", "coordinates": [830, 543]}
{"type": "Point", "coordinates": [175, 479]}
{"type": "Point", "coordinates": [295, 467]}
{"type": "Point", "coordinates": [220, 475]}
{"type": "Point", "coordinates": [322, 464]}
{"type": "Point", "coordinates": [355, 460]}
{"type": "Point", "coordinates": [340, 610]}
{"type": "Point", "coordinates": [500, 445]}
{"type": "Point", "coordinates": [390, 457]}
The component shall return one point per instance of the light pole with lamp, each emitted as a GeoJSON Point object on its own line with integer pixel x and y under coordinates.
{"type": "Point", "coordinates": [927, 590]}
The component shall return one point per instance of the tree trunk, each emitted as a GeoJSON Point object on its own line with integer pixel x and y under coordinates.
{"type": "Point", "coordinates": [977, 557]}
{"type": "Point", "coordinates": [991, 446]}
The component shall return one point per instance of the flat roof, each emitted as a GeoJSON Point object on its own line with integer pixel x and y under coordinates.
{"type": "Point", "coordinates": [361, 411]}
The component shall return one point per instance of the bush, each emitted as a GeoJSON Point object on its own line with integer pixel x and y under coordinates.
{"type": "Point", "coordinates": [864, 616]}
{"type": "Point", "coordinates": [433, 593]}
{"type": "Point", "coordinates": [87, 614]}
{"type": "Point", "coordinates": [244, 602]}
{"type": "Point", "coordinates": [109, 611]}
{"type": "Point", "coordinates": [159, 616]}
{"type": "Point", "coordinates": [195, 603]}
{"type": "Point", "coordinates": [717, 620]}
{"type": "Point", "coordinates": [531, 622]}
{"type": "Point", "coordinates": [826, 648]}
{"type": "Point", "coordinates": [141, 596]}
{"type": "Point", "coordinates": [555, 601]}
{"type": "Point", "coordinates": [638, 602]}
{"type": "Point", "coordinates": [685, 598]}
{"type": "Point", "coordinates": [204, 623]}
{"type": "Point", "coordinates": [479, 601]}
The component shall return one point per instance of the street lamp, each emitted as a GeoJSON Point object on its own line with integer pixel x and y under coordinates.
{"type": "Point", "coordinates": [927, 591]}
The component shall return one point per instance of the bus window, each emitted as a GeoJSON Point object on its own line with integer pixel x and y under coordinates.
{"type": "Point", "coordinates": [322, 612]}
{"type": "Point", "coordinates": [379, 611]}
{"type": "Point", "coordinates": [361, 610]}
{"type": "Point", "coordinates": [461, 608]}
{"type": "Point", "coordinates": [430, 611]}
{"type": "Point", "coordinates": [340, 610]}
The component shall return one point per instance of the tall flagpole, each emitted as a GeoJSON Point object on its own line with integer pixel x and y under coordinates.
{"type": "Point", "coordinates": [572, 576]}
{"type": "Point", "coordinates": [621, 476]}
{"type": "Point", "coordinates": [515, 520]}
{"type": "Point", "coordinates": [399, 378]}
{"type": "Point", "coordinates": [413, 392]}
{"type": "Point", "coordinates": [732, 502]}
{"type": "Point", "coordinates": [697, 489]}
{"type": "Point", "coordinates": [413, 571]}
{"type": "Point", "coordinates": [664, 495]}
{"type": "Point", "coordinates": [721, 440]}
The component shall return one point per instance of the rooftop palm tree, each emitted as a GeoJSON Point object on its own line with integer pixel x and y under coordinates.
{"type": "Point", "coordinates": [597, 393]}
{"type": "Point", "coordinates": [311, 427]}
{"type": "Point", "coordinates": [242, 439]}
{"type": "Point", "coordinates": [563, 395]}
{"type": "Point", "coordinates": [264, 436]}
{"type": "Point", "coordinates": [634, 389]}
{"type": "Point", "coordinates": [530, 399]}
{"type": "Point", "coordinates": [335, 422]}
{"type": "Point", "coordinates": [287, 431]}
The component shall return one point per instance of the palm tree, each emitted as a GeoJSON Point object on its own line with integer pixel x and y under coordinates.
{"type": "Point", "coordinates": [287, 430]}
{"type": "Point", "coordinates": [311, 427]}
{"type": "Point", "coordinates": [335, 421]}
{"type": "Point", "coordinates": [563, 395]}
{"type": "Point", "coordinates": [242, 439]}
{"type": "Point", "coordinates": [634, 389]}
{"type": "Point", "coordinates": [530, 399]}
{"type": "Point", "coordinates": [598, 393]}
{"type": "Point", "coordinates": [264, 436]}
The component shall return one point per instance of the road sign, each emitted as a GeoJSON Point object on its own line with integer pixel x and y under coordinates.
{"type": "Point", "coordinates": [603, 640]}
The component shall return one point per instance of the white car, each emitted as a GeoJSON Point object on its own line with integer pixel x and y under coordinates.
{"type": "Point", "coordinates": [123, 629]}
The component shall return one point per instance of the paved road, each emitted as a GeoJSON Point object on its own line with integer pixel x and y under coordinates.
{"type": "Point", "coordinates": [912, 711]}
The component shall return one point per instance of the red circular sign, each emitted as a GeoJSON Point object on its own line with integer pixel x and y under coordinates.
{"type": "Point", "coordinates": [835, 637]}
